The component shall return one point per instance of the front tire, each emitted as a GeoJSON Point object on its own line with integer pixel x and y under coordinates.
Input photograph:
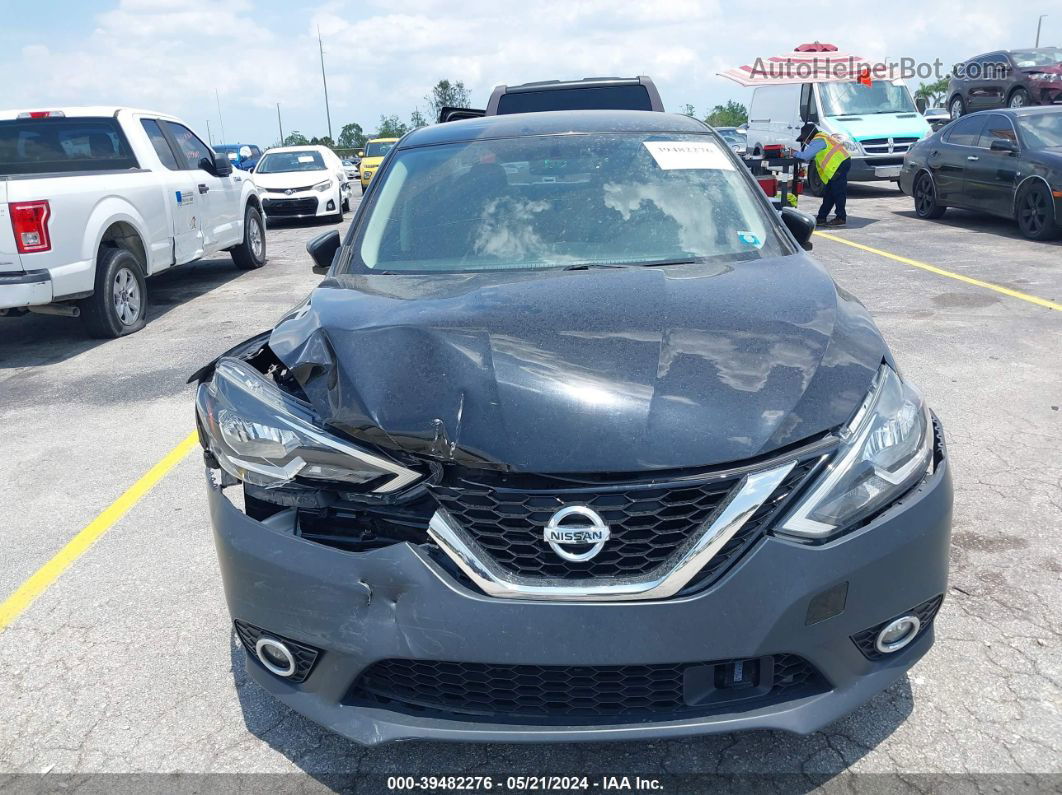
{"type": "Point", "coordinates": [815, 185]}
{"type": "Point", "coordinates": [1036, 213]}
{"type": "Point", "coordinates": [1019, 99]}
{"type": "Point", "coordinates": [251, 253]}
{"type": "Point", "coordinates": [925, 198]}
{"type": "Point", "coordinates": [956, 108]}
{"type": "Point", "coordinates": [118, 304]}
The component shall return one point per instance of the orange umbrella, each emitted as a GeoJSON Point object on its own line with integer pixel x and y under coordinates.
{"type": "Point", "coordinates": [809, 63]}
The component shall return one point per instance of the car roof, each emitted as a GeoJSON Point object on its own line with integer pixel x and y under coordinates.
{"type": "Point", "coordinates": [553, 122]}
{"type": "Point", "coordinates": [303, 148]}
{"type": "Point", "coordinates": [1030, 110]}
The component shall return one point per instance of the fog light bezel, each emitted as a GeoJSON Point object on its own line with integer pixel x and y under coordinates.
{"type": "Point", "coordinates": [275, 645]}
{"type": "Point", "coordinates": [904, 641]}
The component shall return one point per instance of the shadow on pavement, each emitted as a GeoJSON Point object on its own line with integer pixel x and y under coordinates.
{"type": "Point", "coordinates": [975, 223]}
{"type": "Point", "coordinates": [805, 762]}
{"type": "Point", "coordinates": [34, 340]}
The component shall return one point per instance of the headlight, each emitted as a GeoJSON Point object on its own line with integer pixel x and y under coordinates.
{"type": "Point", "coordinates": [323, 186]}
{"type": "Point", "coordinates": [884, 451]}
{"type": "Point", "coordinates": [848, 142]}
{"type": "Point", "coordinates": [268, 438]}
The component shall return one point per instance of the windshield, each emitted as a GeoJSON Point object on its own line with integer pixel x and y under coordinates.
{"type": "Point", "coordinates": [1041, 130]}
{"type": "Point", "coordinates": [1045, 56]}
{"type": "Point", "coordinates": [851, 99]}
{"type": "Point", "coordinates": [282, 162]}
{"type": "Point", "coordinates": [379, 149]}
{"type": "Point", "coordinates": [563, 201]}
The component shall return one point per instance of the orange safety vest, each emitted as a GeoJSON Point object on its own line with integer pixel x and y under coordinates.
{"type": "Point", "coordinates": [828, 160]}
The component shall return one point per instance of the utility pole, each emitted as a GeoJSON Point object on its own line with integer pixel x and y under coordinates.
{"type": "Point", "coordinates": [217, 96]}
{"type": "Point", "coordinates": [1039, 22]}
{"type": "Point", "coordinates": [280, 125]}
{"type": "Point", "coordinates": [324, 80]}
{"type": "Point", "coordinates": [210, 138]}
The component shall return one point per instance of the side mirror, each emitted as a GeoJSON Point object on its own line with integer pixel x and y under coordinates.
{"type": "Point", "coordinates": [1004, 145]}
{"type": "Point", "coordinates": [323, 250]}
{"type": "Point", "coordinates": [800, 225]}
{"type": "Point", "coordinates": [920, 103]}
{"type": "Point", "coordinates": [220, 167]}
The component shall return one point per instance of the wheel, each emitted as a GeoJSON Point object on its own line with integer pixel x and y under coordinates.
{"type": "Point", "coordinates": [925, 198]}
{"type": "Point", "coordinates": [251, 253]}
{"type": "Point", "coordinates": [1019, 99]}
{"type": "Point", "coordinates": [957, 107]}
{"type": "Point", "coordinates": [814, 183]}
{"type": "Point", "coordinates": [1036, 213]}
{"type": "Point", "coordinates": [118, 304]}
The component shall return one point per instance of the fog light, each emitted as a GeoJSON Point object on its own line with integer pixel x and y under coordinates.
{"type": "Point", "coordinates": [275, 656]}
{"type": "Point", "coordinates": [331, 205]}
{"type": "Point", "coordinates": [897, 634]}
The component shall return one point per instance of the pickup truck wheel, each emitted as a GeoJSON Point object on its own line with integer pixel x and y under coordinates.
{"type": "Point", "coordinates": [118, 304]}
{"type": "Point", "coordinates": [814, 183]}
{"type": "Point", "coordinates": [251, 253]}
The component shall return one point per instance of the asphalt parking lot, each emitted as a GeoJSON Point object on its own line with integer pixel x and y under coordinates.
{"type": "Point", "coordinates": [126, 663]}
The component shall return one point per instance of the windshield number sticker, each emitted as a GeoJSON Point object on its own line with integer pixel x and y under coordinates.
{"type": "Point", "coordinates": [305, 158]}
{"type": "Point", "coordinates": [672, 155]}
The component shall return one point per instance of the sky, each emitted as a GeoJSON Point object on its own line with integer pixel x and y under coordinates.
{"type": "Point", "coordinates": [384, 57]}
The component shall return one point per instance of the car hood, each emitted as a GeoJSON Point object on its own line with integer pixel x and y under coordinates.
{"type": "Point", "coordinates": [607, 370]}
{"type": "Point", "coordinates": [881, 125]}
{"type": "Point", "coordinates": [291, 179]}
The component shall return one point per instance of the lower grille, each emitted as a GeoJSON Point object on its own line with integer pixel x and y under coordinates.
{"type": "Point", "coordinates": [307, 206]}
{"type": "Point", "coordinates": [305, 656]}
{"type": "Point", "coordinates": [574, 694]}
{"type": "Point", "coordinates": [925, 612]}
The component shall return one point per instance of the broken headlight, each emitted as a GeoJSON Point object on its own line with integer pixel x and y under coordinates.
{"type": "Point", "coordinates": [885, 450]}
{"type": "Point", "coordinates": [264, 436]}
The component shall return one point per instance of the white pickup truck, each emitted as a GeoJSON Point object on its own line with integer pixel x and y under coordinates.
{"type": "Point", "coordinates": [93, 200]}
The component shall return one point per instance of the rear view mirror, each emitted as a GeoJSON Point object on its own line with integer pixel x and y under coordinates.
{"type": "Point", "coordinates": [800, 225]}
{"type": "Point", "coordinates": [1003, 145]}
{"type": "Point", "coordinates": [323, 250]}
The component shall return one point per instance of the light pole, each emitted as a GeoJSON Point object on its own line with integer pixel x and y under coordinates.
{"type": "Point", "coordinates": [280, 125]}
{"type": "Point", "coordinates": [210, 138]}
{"type": "Point", "coordinates": [324, 80]}
{"type": "Point", "coordinates": [1039, 22]}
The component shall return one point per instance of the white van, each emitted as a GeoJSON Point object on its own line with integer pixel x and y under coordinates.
{"type": "Point", "coordinates": [877, 123]}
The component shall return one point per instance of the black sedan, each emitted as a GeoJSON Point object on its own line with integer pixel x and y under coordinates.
{"type": "Point", "coordinates": [1004, 162]}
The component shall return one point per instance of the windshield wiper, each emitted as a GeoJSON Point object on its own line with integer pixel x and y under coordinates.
{"type": "Point", "coordinates": [582, 266]}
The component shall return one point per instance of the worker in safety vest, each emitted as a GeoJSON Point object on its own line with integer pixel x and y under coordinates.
{"type": "Point", "coordinates": [832, 162]}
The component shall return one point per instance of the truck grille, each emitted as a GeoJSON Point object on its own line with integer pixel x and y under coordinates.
{"type": "Point", "coordinates": [887, 146]}
{"type": "Point", "coordinates": [649, 522]}
{"type": "Point", "coordinates": [575, 694]}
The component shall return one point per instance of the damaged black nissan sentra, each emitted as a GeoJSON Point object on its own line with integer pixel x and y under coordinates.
{"type": "Point", "coordinates": [574, 442]}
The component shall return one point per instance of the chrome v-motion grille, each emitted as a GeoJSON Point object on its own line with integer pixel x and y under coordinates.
{"type": "Point", "coordinates": [662, 536]}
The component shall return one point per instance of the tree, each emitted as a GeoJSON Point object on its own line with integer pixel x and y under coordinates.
{"type": "Point", "coordinates": [417, 120]}
{"type": "Point", "coordinates": [326, 141]}
{"type": "Point", "coordinates": [446, 94]}
{"type": "Point", "coordinates": [688, 110]}
{"type": "Point", "coordinates": [296, 138]}
{"type": "Point", "coordinates": [391, 127]}
{"type": "Point", "coordinates": [732, 114]}
{"type": "Point", "coordinates": [352, 136]}
{"type": "Point", "coordinates": [933, 93]}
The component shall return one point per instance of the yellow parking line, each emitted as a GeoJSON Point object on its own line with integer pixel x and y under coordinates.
{"type": "Point", "coordinates": [1032, 299]}
{"type": "Point", "coordinates": [47, 574]}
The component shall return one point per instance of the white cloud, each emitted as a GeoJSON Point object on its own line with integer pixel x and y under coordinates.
{"type": "Point", "coordinates": [383, 57]}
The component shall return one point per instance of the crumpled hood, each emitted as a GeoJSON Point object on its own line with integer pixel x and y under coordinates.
{"type": "Point", "coordinates": [609, 370]}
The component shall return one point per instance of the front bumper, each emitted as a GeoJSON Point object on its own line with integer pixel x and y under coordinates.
{"type": "Point", "coordinates": [25, 288]}
{"type": "Point", "coordinates": [871, 169]}
{"type": "Point", "coordinates": [397, 602]}
{"type": "Point", "coordinates": [307, 204]}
